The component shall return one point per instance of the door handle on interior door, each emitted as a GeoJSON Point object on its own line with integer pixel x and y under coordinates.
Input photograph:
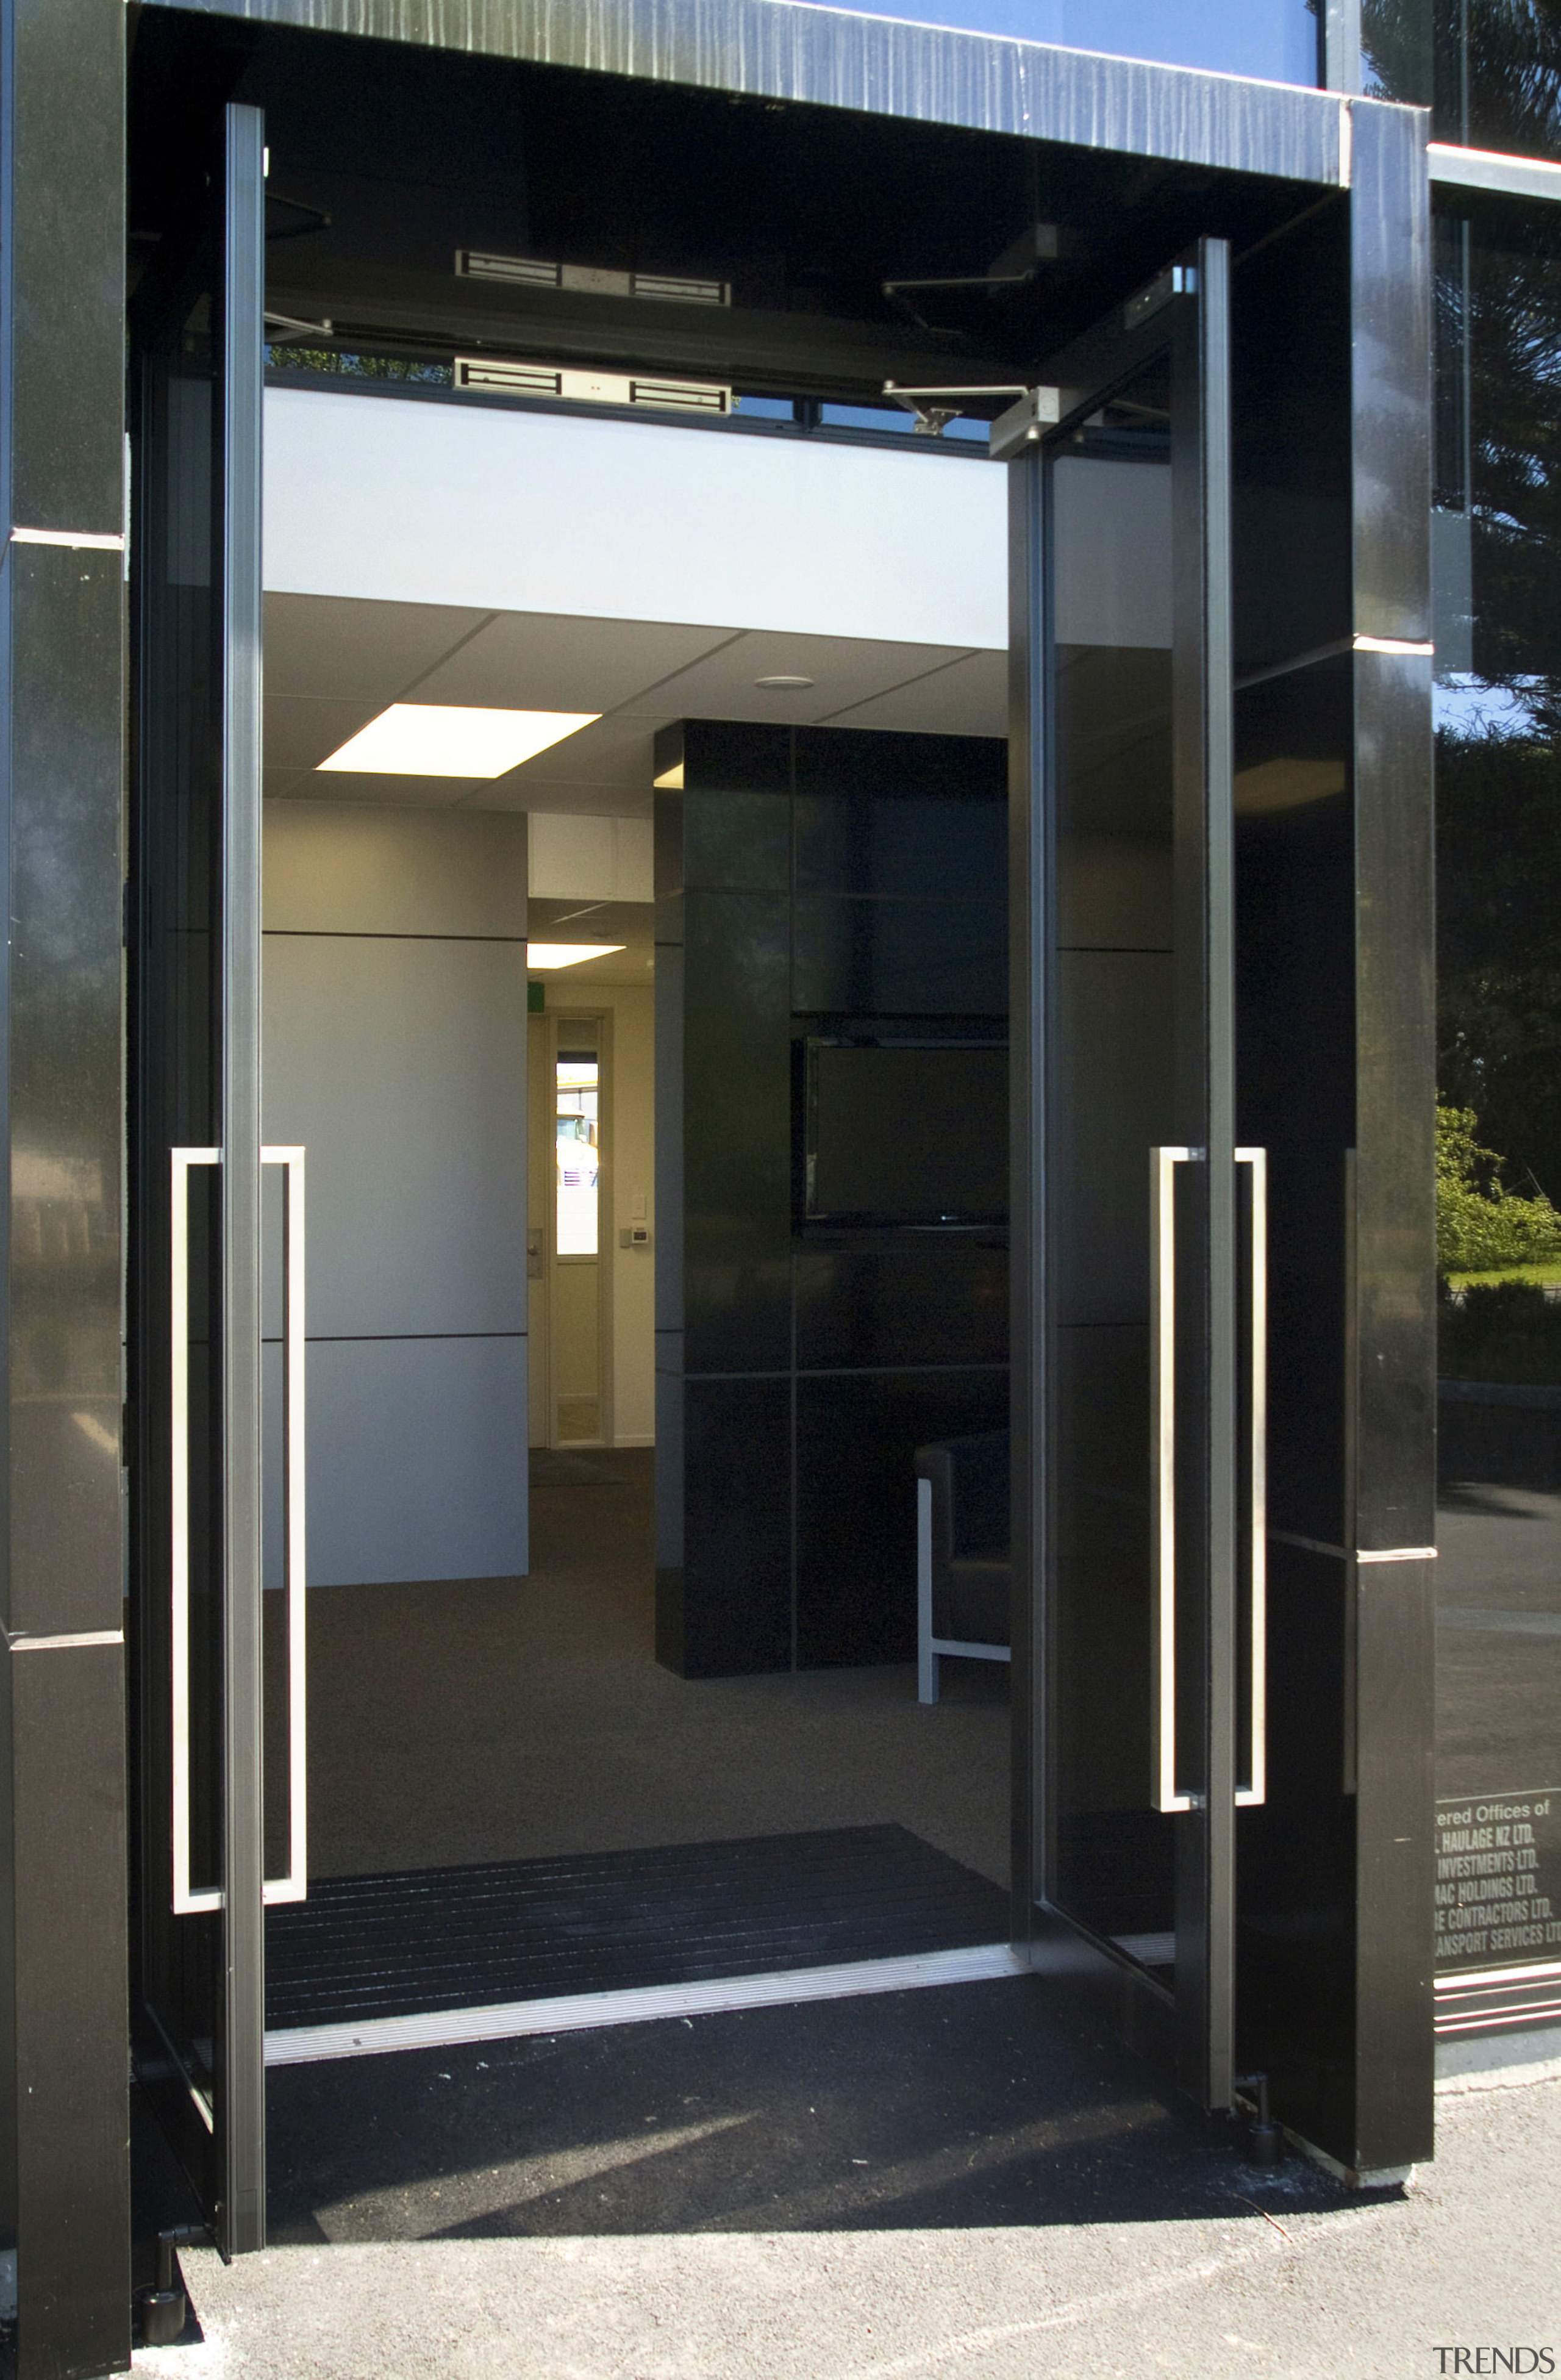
{"type": "Point", "coordinates": [535, 1266]}
{"type": "Point", "coordinates": [1163, 1162]}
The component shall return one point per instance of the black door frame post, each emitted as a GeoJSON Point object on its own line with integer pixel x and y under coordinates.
{"type": "Point", "coordinates": [63, 2096]}
{"type": "Point", "coordinates": [1390, 1403]}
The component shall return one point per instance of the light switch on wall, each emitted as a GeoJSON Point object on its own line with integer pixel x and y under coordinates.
{"type": "Point", "coordinates": [637, 1207]}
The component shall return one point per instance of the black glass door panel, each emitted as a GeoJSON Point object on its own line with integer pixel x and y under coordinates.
{"type": "Point", "coordinates": [1144, 1297]}
{"type": "Point", "coordinates": [194, 1310]}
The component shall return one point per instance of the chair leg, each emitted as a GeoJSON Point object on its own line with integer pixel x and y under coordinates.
{"type": "Point", "coordinates": [927, 1659]}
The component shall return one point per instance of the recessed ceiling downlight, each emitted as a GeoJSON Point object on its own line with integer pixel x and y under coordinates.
{"type": "Point", "coordinates": [783, 684]}
{"type": "Point", "coordinates": [562, 954]}
{"type": "Point", "coordinates": [443, 739]}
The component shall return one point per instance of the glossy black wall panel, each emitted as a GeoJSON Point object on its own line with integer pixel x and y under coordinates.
{"type": "Point", "coordinates": [736, 1132]}
{"type": "Point", "coordinates": [735, 1602]}
{"type": "Point", "coordinates": [942, 1303]}
{"type": "Point", "coordinates": [62, 231]}
{"type": "Point", "coordinates": [63, 628]}
{"type": "Point", "coordinates": [67, 1871]}
{"type": "Point", "coordinates": [64, 2162]}
{"type": "Point", "coordinates": [855, 1494]}
{"type": "Point", "coordinates": [899, 958]}
{"type": "Point", "coordinates": [1396, 1254]}
{"type": "Point", "coordinates": [1390, 299]}
{"type": "Point", "coordinates": [1296, 1074]}
{"type": "Point", "coordinates": [902, 836]}
{"type": "Point", "coordinates": [1290, 494]}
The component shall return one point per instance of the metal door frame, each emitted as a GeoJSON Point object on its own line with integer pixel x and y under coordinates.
{"type": "Point", "coordinates": [228, 2166]}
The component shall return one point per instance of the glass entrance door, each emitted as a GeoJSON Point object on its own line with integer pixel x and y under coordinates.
{"type": "Point", "coordinates": [193, 918]}
{"type": "Point", "coordinates": [1140, 1289]}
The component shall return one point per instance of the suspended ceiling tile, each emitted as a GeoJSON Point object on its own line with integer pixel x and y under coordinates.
{"type": "Point", "coordinates": [843, 670]}
{"type": "Point", "coordinates": [385, 792]}
{"type": "Point", "coordinates": [969, 698]}
{"type": "Point", "coordinates": [531, 661]}
{"type": "Point", "coordinates": [302, 730]}
{"type": "Point", "coordinates": [611, 751]}
{"type": "Point", "coordinates": [344, 646]}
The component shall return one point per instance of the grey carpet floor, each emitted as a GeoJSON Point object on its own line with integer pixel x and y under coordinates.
{"type": "Point", "coordinates": [519, 1718]}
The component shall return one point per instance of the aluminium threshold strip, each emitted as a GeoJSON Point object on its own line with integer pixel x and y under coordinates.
{"type": "Point", "coordinates": [579, 2011]}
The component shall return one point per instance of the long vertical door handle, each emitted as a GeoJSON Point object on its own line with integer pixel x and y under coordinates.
{"type": "Point", "coordinates": [1163, 1163]}
{"type": "Point", "coordinates": [1162, 1464]}
{"type": "Point", "coordinates": [293, 1886]}
{"type": "Point", "coordinates": [1248, 1795]}
{"type": "Point", "coordinates": [186, 1903]}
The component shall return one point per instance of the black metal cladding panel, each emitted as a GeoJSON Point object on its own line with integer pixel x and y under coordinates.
{"type": "Point", "coordinates": [1295, 928]}
{"type": "Point", "coordinates": [1390, 272]}
{"type": "Point", "coordinates": [62, 234]}
{"type": "Point", "coordinates": [60, 619]}
{"type": "Point", "coordinates": [875, 65]}
{"type": "Point", "coordinates": [1396, 1252]}
{"type": "Point", "coordinates": [66, 1771]}
{"type": "Point", "coordinates": [1396, 1876]}
{"type": "Point", "coordinates": [1290, 492]}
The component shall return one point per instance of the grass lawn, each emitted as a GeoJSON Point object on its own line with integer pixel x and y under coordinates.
{"type": "Point", "coordinates": [1546, 1275]}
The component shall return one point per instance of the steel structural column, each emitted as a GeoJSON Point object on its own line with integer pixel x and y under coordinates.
{"type": "Point", "coordinates": [1391, 1388]}
{"type": "Point", "coordinates": [64, 2113]}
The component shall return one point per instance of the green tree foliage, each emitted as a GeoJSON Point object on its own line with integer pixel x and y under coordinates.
{"type": "Point", "coordinates": [1481, 1225]}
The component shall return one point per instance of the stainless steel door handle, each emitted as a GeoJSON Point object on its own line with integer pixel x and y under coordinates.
{"type": "Point", "coordinates": [1163, 1162]}
{"type": "Point", "coordinates": [1247, 1796]}
{"type": "Point", "coordinates": [293, 1886]}
{"type": "Point", "coordinates": [188, 1901]}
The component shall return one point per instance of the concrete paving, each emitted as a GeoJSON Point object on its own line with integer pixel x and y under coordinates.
{"type": "Point", "coordinates": [937, 2182]}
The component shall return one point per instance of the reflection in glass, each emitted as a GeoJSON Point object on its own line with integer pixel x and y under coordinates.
{"type": "Point", "coordinates": [576, 1138]}
{"type": "Point", "coordinates": [1498, 709]}
{"type": "Point", "coordinates": [1490, 70]}
{"type": "Point", "coordinates": [1275, 40]}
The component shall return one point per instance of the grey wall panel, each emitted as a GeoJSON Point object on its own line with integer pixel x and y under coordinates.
{"type": "Point", "coordinates": [876, 65]}
{"type": "Point", "coordinates": [400, 1067]}
{"type": "Point", "coordinates": [333, 868]}
{"type": "Point", "coordinates": [418, 1456]}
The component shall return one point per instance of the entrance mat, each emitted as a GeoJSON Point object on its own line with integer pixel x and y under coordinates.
{"type": "Point", "coordinates": [362, 1947]}
{"type": "Point", "coordinates": [552, 1468]}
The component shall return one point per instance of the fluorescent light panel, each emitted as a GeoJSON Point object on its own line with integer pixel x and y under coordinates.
{"type": "Point", "coordinates": [443, 739]}
{"type": "Point", "coordinates": [562, 954]}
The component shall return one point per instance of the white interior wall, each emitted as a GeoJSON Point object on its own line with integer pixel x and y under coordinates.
{"type": "Point", "coordinates": [574, 857]}
{"type": "Point", "coordinates": [626, 520]}
{"type": "Point", "coordinates": [395, 1050]}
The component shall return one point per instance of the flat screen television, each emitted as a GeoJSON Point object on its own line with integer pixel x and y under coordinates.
{"type": "Point", "coordinates": [904, 1132]}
